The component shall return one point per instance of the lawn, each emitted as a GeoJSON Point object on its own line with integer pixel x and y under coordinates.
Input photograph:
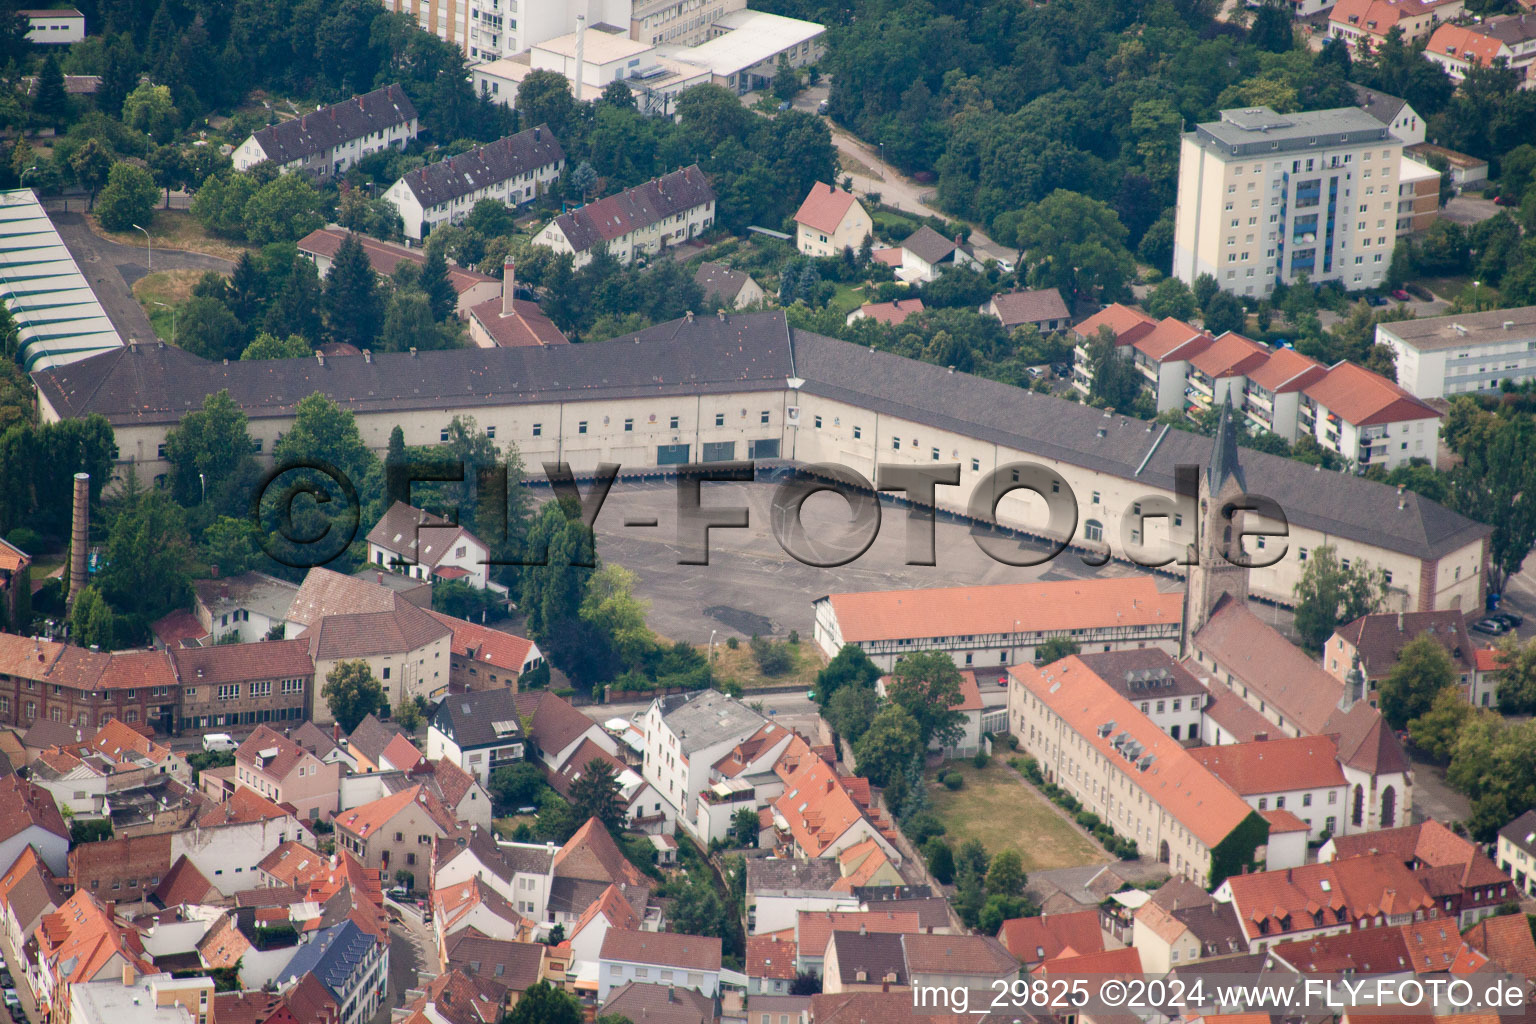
{"type": "Point", "coordinates": [1461, 286]}
{"type": "Point", "coordinates": [740, 666]}
{"type": "Point", "coordinates": [1030, 824]}
{"type": "Point", "coordinates": [172, 287]}
{"type": "Point", "coordinates": [847, 299]}
{"type": "Point", "coordinates": [504, 827]}
{"type": "Point", "coordinates": [175, 229]}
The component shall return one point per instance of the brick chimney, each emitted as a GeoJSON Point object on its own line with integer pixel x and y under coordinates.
{"type": "Point", "coordinates": [508, 287]}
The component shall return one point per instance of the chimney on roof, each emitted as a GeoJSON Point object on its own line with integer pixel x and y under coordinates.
{"type": "Point", "coordinates": [688, 316]}
{"type": "Point", "coordinates": [413, 351]}
{"type": "Point", "coordinates": [319, 357]}
{"type": "Point", "coordinates": [537, 132]}
{"type": "Point", "coordinates": [721, 314]}
{"type": "Point", "coordinates": [671, 994]}
{"type": "Point", "coordinates": [367, 355]}
{"type": "Point", "coordinates": [335, 731]}
{"type": "Point", "coordinates": [508, 286]}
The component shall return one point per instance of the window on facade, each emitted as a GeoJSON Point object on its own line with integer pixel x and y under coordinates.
{"type": "Point", "coordinates": [673, 422]}
{"type": "Point", "coordinates": [719, 419]}
{"type": "Point", "coordinates": [1093, 530]}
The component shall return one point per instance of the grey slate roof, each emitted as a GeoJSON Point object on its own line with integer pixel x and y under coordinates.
{"type": "Point", "coordinates": [719, 282]}
{"type": "Point", "coordinates": [638, 207]}
{"type": "Point", "coordinates": [1382, 106]}
{"type": "Point", "coordinates": [336, 124]}
{"type": "Point", "coordinates": [928, 245]}
{"type": "Point", "coordinates": [746, 352]}
{"type": "Point", "coordinates": [469, 719]}
{"type": "Point", "coordinates": [1522, 832]}
{"type": "Point", "coordinates": [707, 717]}
{"type": "Point", "coordinates": [502, 160]}
{"type": "Point", "coordinates": [332, 956]}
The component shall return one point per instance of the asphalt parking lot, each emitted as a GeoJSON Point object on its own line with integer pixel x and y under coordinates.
{"type": "Point", "coordinates": [750, 585]}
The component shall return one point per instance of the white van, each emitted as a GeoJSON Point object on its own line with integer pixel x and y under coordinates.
{"type": "Point", "coordinates": [219, 742]}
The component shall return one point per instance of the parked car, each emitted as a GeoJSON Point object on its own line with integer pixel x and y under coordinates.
{"type": "Point", "coordinates": [12, 1000]}
{"type": "Point", "coordinates": [1506, 201]}
{"type": "Point", "coordinates": [1376, 300]}
{"type": "Point", "coordinates": [1062, 370]}
{"type": "Point", "coordinates": [1401, 296]}
{"type": "Point", "coordinates": [1510, 619]}
{"type": "Point", "coordinates": [821, 108]}
{"type": "Point", "coordinates": [1491, 627]}
{"type": "Point", "coordinates": [1035, 373]}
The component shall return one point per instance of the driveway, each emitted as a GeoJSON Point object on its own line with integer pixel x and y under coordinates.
{"type": "Point", "coordinates": [1469, 209]}
{"type": "Point", "coordinates": [111, 269]}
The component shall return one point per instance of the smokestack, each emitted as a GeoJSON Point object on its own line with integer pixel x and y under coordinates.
{"type": "Point", "coordinates": [581, 47]}
{"type": "Point", "coordinates": [508, 286]}
{"type": "Point", "coordinates": [79, 534]}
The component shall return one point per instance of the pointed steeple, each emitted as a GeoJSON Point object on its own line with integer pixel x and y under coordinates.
{"type": "Point", "coordinates": [1224, 461]}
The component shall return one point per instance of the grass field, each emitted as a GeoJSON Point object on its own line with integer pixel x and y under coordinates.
{"type": "Point", "coordinates": [172, 287]}
{"type": "Point", "coordinates": [1452, 288]}
{"type": "Point", "coordinates": [1029, 824]}
{"type": "Point", "coordinates": [847, 299]}
{"type": "Point", "coordinates": [742, 667]}
{"type": "Point", "coordinates": [175, 229]}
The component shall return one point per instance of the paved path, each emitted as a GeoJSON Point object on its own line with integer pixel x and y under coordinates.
{"type": "Point", "coordinates": [111, 268]}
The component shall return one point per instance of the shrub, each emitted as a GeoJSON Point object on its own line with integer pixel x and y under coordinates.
{"type": "Point", "coordinates": [953, 780]}
{"type": "Point", "coordinates": [794, 638]}
{"type": "Point", "coordinates": [979, 761]}
{"type": "Point", "coordinates": [922, 828]}
{"type": "Point", "coordinates": [732, 643]}
{"type": "Point", "coordinates": [1088, 819]}
{"type": "Point", "coordinates": [28, 539]}
{"type": "Point", "coordinates": [772, 659]}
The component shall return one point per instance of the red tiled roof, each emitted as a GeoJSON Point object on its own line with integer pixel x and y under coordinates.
{"type": "Point", "coordinates": [768, 957]}
{"type": "Point", "coordinates": [1129, 325]}
{"type": "Point", "coordinates": [1286, 370]}
{"type": "Point", "coordinates": [1489, 659]}
{"type": "Point", "coordinates": [1172, 780]}
{"type": "Point", "coordinates": [24, 804]}
{"type": "Point", "coordinates": [482, 643]}
{"type": "Point", "coordinates": [894, 312]}
{"type": "Point", "coordinates": [1230, 355]}
{"type": "Point", "coordinates": [614, 907]}
{"type": "Point", "coordinates": [819, 809]}
{"type": "Point", "coordinates": [1465, 44]}
{"type": "Point", "coordinates": [814, 928]}
{"type": "Point", "coordinates": [525, 327]}
{"type": "Point", "coordinates": [184, 883]}
{"type": "Point", "coordinates": [1374, 16]}
{"type": "Point", "coordinates": [178, 626]}
{"type": "Point", "coordinates": [1277, 765]}
{"type": "Point", "coordinates": [1004, 608]}
{"type": "Point", "coordinates": [385, 257]}
{"type": "Point", "coordinates": [402, 753]}
{"type": "Point", "coordinates": [591, 854]}
{"type": "Point", "coordinates": [891, 257]}
{"type": "Point", "coordinates": [282, 754]}
{"type": "Point", "coordinates": [12, 557]}
{"type": "Point", "coordinates": [1033, 939]}
{"type": "Point", "coordinates": [668, 949]}
{"type": "Point", "coordinates": [1364, 399]}
{"type": "Point", "coordinates": [824, 207]}
{"type": "Point", "coordinates": [243, 806]}
{"type": "Point", "coordinates": [1281, 820]}
{"type": "Point", "coordinates": [1173, 339]}
{"type": "Point", "coordinates": [1506, 940]}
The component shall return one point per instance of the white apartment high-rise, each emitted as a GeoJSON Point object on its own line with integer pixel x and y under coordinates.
{"type": "Point", "coordinates": [488, 30]}
{"type": "Point", "coordinates": [1267, 197]}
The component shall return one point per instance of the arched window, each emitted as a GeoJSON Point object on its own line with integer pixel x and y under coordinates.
{"type": "Point", "coordinates": [1388, 807]}
{"type": "Point", "coordinates": [1093, 530]}
{"type": "Point", "coordinates": [1357, 815]}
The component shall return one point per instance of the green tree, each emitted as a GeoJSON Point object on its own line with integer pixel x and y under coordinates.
{"type": "Point", "coordinates": [1515, 680]}
{"type": "Point", "coordinates": [542, 1003]}
{"type": "Point", "coordinates": [232, 544]}
{"type": "Point", "coordinates": [51, 102]}
{"type": "Point", "coordinates": [1055, 648]}
{"type": "Point", "coordinates": [297, 309]}
{"type": "Point", "coordinates": [1171, 297]}
{"type": "Point", "coordinates": [583, 180]}
{"type": "Point", "coordinates": [351, 301]}
{"type": "Point", "coordinates": [208, 449]}
{"type": "Point", "coordinates": [610, 606]}
{"type": "Point", "coordinates": [219, 205]}
{"type": "Point", "coordinates": [207, 328]}
{"type": "Point", "coordinates": [888, 745]}
{"type": "Point", "coordinates": [1224, 312]}
{"type": "Point", "coordinates": [745, 828]}
{"type": "Point", "coordinates": [439, 290]}
{"type": "Point", "coordinates": [941, 860]}
{"type": "Point", "coordinates": [1435, 731]}
{"type": "Point", "coordinates": [284, 209]}
{"type": "Point", "coordinates": [267, 346]}
{"type": "Point", "coordinates": [851, 710]}
{"type": "Point", "coordinates": [91, 165]}
{"type": "Point", "coordinates": [595, 794]}
{"type": "Point", "coordinates": [1075, 244]}
{"type": "Point", "coordinates": [150, 110]}
{"type": "Point", "coordinates": [324, 432]}
{"type": "Point", "coordinates": [1496, 483]}
{"type": "Point", "coordinates": [128, 199]}
{"type": "Point", "coordinates": [697, 909]}
{"type": "Point", "coordinates": [544, 98]}
{"type": "Point", "coordinates": [1116, 382]}
{"type": "Point", "coordinates": [352, 693]}
{"type": "Point", "coordinates": [1423, 669]}
{"type": "Point", "coordinates": [517, 785]}
{"type": "Point", "coordinates": [408, 714]}
{"type": "Point", "coordinates": [92, 623]}
{"type": "Point", "coordinates": [786, 80]}
{"type": "Point", "coordinates": [927, 686]}
{"type": "Point", "coordinates": [1005, 875]}
{"type": "Point", "coordinates": [149, 559]}
{"type": "Point", "coordinates": [1329, 594]}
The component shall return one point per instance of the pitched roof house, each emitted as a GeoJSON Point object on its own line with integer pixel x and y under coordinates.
{"type": "Point", "coordinates": [422, 545]}
{"type": "Point", "coordinates": [395, 833]}
{"type": "Point", "coordinates": [512, 170]}
{"type": "Point", "coordinates": [333, 138]}
{"type": "Point", "coordinates": [479, 731]}
{"type": "Point", "coordinates": [688, 961]}
{"type": "Point", "coordinates": [30, 817]}
{"type": "Point", "coordinates": [638, 221]}
{"type": "Point", "coordinates": [725, 288]}
{"type": "Point", "coordinates": [284, 772]}
{"type": "Point", "coordinates": [28, 891]}
{"type": "Point", "coordinates": [830, 220]}
{"type": "Point", "coordinates": [321, 245]}
{"type": "Point", "coordinates": [1040, 307]}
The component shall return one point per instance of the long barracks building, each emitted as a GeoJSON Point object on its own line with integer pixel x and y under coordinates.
{"type": "Point", "coordinates": [713, 388]}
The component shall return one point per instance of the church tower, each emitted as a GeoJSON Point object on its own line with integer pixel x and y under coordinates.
{"type": "Point", "coordinates": [1211, 575]}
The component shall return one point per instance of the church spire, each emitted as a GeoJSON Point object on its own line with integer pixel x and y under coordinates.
{"type": "Point", "coordinates": [1224, 462]}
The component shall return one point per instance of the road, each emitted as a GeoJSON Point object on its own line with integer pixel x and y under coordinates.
{"type": "Point", "coordinates": [111, 269]}
{"type": "Point", "coordinates": [411, 950]}
{"type": "Point", "coordinates": [16, 965]}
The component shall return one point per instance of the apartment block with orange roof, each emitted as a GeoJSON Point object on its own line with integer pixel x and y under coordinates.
{"type": "Point", "coordinates": [1368, 419]}
{"type": "Point", "coordinates": [1123, 325]}
{"type": "Point", "coordinates": [1364, 25]}
{"type": "Point", "coordinates": [1093, 743]}
{"type": "Point", "coordinates": [1222, 370]}
{"type": "Point", "coordinates": [820, 815]}
{"type": "Point", "coordinates": [1162, 357]}
{"type": "Point", "coordinates": [1508, 37]}
{"type": "Point", "coordinates": [82, 942]}
{"type": "Point", "coordinates": [1002, 624]}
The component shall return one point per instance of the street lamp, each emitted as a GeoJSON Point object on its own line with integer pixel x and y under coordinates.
{"type": "Point", "coordinates": [173, 318]}
{"type": "Point", "coordinates": [149, 249]}
{"type": "Point", "coordinates": [29, 170]}
{"type": "Point", "coordinates": [204, 481]}
{"type": "Point", "coordinates": [1477, 294]}
{"type": "Point", "coordinates": [712, 646]}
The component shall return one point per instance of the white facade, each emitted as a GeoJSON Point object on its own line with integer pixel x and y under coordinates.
{"type": "Point", "coordinates": [1468, 353]}
{"type": "Point", "coordinates": [52, 27]}
{"type": "Point", "coordinates": [515, 191]}
{"type": "Point", "coordinates": [679, 771]}
{"type": "Point", "coordinates": [229, 855]}
{"type": "Point", "coordinates": [333, 160]}
{"type": "Point", "coordinates": [615, 974]}
{"type": "Point", "coordinates": [528, 892]}
{"type": "Point", "coordinates": [466, 552]}
{"type": "Point", "coordinates": [1264, 198]}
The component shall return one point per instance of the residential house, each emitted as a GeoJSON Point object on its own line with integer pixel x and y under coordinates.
{"type": "Point", "coordinates": [1463, 353]}
{"type": "Point", "coordinates": [142, 999]}
{"type": "Point", "coordinates": [1001, 624]}
{"type": "Point", "coordinates": [751, 775]}
{"type": "Point", "coordinates": [29, 816]}
{"type": "Point", "coordinates": [1300, 774]}
{"type": "Point", "coordinates": [80, 943]}
{"type": "Point", "coordinates": [251, 605]}
{"type": "Point", "coordinates": [121, 870]}
{"type": "Point", "coordinates": [28, 892]}
{"type": "Point", "coordinates": [347, 619]}
{"type": "Point", "coordinates": [971, 962]}
{"type": "Point", "coordinates": [521, 872]}
{"type": "Point", "coordinates": [284, 772]}
{"type": "Point", "coordinates": [1373, 644]}
{"type": "Point", "coordinates": [455, 997]}
{"type": "Point", "coordinates": [925, 254]}
{"type": "Point", "coordinates": [229, 841]}
{"type": "Point", "coordinates": [830, 220]}
{"type": "Point", "coordinates": [1041, 307]}
{"type": "Point", "coordinates": [395, 834]}
{"type": "Point", "coordinates": [15, 585]}
{"type": "Point", "coordinates": [1502, 941]}
{"type": "Point", "coordinates": [1405, 951]}
{"type": "Point", "coordinates": [814, 931]}
{"type": "Point", "coordinates": [1368, 419]}
{"type": "Point", "coordinates": [506, 321]}
{"type": "Point", "coordinates": [321, 245]}
{"type": "Point", "coordinates": [897, 311]}
{"type": "Point", "coordinates": [644, 810]}
{"type": "Point", "coordinates": [725, 288]}
{"type": "Point", "coordinates": [1516, 852]}
{"type": "Point", "coordinates": [1271, 398]}
{"type": "Point", "coordinates": [326, 744]}
{"type": "Point", "coordinates": [1034, 940]}
{"type": "Point", "coordinates": [516, 965]}
{"type": "Point", "coordinates": [1510, 38]}
{"type": "Point", "coordinates": [864, 962]}
{"type": "Point", "coordinates": [333, 138]}
{"type": "Point", "coordinates": [352, 965]}
{"type": "Point", "coordinates": [54, 26]}
{"type": "Point", "coordinates": [1122, 325]}
{"type": "Point", "coordinates": [1466, 171]}
{"type": "Point", "coordinates": [40, 679]}
{"type": "Point", "coordinates": [1172, 930]}
{"type": "Point", "coordinates": [1324, 899]}
{"type": "Point", "coordinates": [368, 742]}
{"type": "Point", "coordinates": [685, 734]}
{"type": "Point", "coordinates": [670, 958]}
{"type": "Point", "coordinates": [1365, 24]}
{"type": "Point", "coordinates": [1162, 357]}
{"type": "Point", "coordinates": [1418, 196]}
{"type": "Point", "coordinates": [637, 222]}
{"type": "Point", "coordinates": [475, 907]}
{"type": "Point", "coordinates": [1393, 111]}
{"type": "Point", "coordinates": [513, 170]}
{"type": "Point", "coordinates": [582, 869]}
{"type": "Point", "coordinates": [1094, 744]}
{"type": "Point", "coordinates": [1455, 873]}
{"type": "Point", "coordinates": [661, 1004]}
{"type": "Point", "coordinates": [243, 684]}
{"type": "Point", "coordinates": [609, 911]}
{"type": "Point", "coordinates": [770, 966]}
{"type": "Point", "coordinates": [484, 658]}
{"type": "Point", "coordinates": [1220, 373]}
{"type": "Point", "coordinates": [479, 731]}
{"type": "Point", "coordinates": [820, 814]}
{"type": "Point", "coordinates": [425, 547]}
{"type": "Point", "coordinates": [778, 888]}
{"type": "Point", "coordinates": [969, 707]}
{"type": "Point", "coordinates": [558, 730]}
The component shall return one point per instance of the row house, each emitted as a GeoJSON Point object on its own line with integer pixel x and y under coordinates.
{"type": "Point", "coordinates": [41, 679]}
{"type": "Point", "coordinates": [1464, 883]}
{"type": "Point", "coordinates": [514, 170]}
{"type": "Point", "coordinates": [1121, 326]}
{"type": "Point", "coordinates": [80, 943]}
{"type": "Point", "coordinates": [1271, 394]}
{"type": "Point", "coordinates": [1003, 624]}
{"type": "Point", "coordinates": [639, 221]}
{"type": "Point", "coordinates": [29, 817]}
{"type": "Point", "coordinates": [230, 685]}
{"type": "Point", "coordinates": [28, 892]}
{"type": "Point", "coordinates": [285, 773]}
{"type": "Point", "coordinates": [520, 872]}
{"type": "Point", "coordinates": [332, 139]}
{"type": "Point", "coordinates": [321, 245]}
{"type": "Point", "coordinates": [396, 834]}
{"type": "Point", "coordinates": [1364, 25]}
{"type": "Point", "coordinates": [351, 964]}
{"type": "Point", "coordinates": [1510, 38]}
